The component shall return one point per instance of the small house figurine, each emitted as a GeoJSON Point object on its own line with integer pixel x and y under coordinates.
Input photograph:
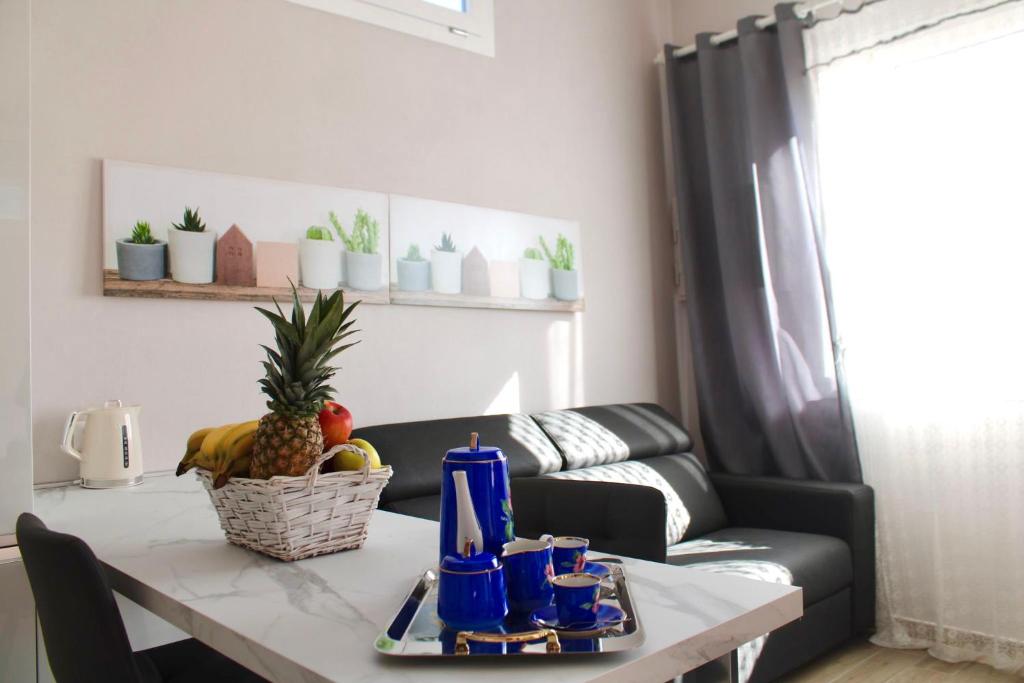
{"type": "Point", "coordinates": [475, 278]}
{"type": "Point", "coordinates": [235, 259]}
{"type": "Point", "coordinates": [277, 264]}
{"type": "Point", "coordinates": [504, 279]}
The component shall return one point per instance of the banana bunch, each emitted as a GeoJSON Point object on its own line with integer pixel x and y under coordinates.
{"type": "Point", "coordinates": [224, 451]}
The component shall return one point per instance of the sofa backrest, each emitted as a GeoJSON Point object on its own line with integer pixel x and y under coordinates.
{"type": "Point", "coordinates": [642, 444]}
{"type": "Point", "coordinates": [415, 449]}
{"type": "Point", "coordinates": [692, 507]}
{"type": "Point", "coordinates": [600, 435]}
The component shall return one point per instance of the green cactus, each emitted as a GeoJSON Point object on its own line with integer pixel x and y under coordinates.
{"type": "Point", "coordinates": [141, 234]}
{"type": "Point", "coordinates": [414, 253]}
{"type": "Point", "coordinates": [319, 232]}
{"type": "Point", "coordinates": [365, 237]}
{"type": "Point", "coordinates": [533, 253]}
{"type": "Point", "coordinates": [191, 222]}
{"type": "Point", "coordinates": [564, 255]}
{"type": "Point", "coordinates": [447, 243]}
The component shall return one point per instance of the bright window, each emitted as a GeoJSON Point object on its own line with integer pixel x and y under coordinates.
{"type": "Point", "coordinates": [467, 24]}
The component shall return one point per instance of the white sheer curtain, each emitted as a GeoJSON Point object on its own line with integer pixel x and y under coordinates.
{"type": "Point", "coordinates": [922, 167]}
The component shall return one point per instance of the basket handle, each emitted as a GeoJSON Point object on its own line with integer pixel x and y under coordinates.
{"type": "Point", "coordinates": [314, 472]}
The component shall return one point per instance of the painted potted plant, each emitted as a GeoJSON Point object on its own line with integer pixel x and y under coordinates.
{"type": "Point", "coordinates": [362, 262]}
{"type": "Point", "coordinates": [564, 278]}
{"type": "Point", "coordinates": [534, 275]}
{"type": "Point", "coordinates": [413, 271]}
{"type": "Point", "coordinates": [141, 257]}
{"type": "Point", "coordinates": [319, 259]}
{"type": "Point", "coordinates": [191, 249]}
{"type": "Point", "coordinates": [446, 267]}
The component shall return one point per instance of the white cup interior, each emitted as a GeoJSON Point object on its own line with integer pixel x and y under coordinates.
{"type": "Point", "coordinates": [576, 580]}
{"type": "Point", "coordinates": [570, 542]}
{"type": "Point", "coordinates": [523, 546]}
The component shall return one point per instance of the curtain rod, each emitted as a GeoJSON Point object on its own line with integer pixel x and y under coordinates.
{"type": "Point", "coordinates": [802, 10]}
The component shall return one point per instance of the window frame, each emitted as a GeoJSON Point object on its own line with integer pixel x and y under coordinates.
{"type": "Point", "coordinates": [471, 30]}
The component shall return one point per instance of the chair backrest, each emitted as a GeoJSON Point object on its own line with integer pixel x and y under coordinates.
{"type": "Point", "coordinates": [82, 627]}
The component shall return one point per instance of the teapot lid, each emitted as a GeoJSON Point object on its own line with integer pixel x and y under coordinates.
{"type": "Point", "coordinates": [474, 452]}
{"type": "Point", "coordinates": [480, 562]}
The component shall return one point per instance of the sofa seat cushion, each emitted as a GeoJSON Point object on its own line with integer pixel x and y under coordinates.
{"type": "Point", "coordinates": [820, 565]}
{"type": "Point", "coordinates": [600, 435]}
{"type": "Point", "coordinates": [692, 507]}
{"type": "Point", "coordinates": [415, 449]}
{"type": "Point", "coordinates": [424, 507]}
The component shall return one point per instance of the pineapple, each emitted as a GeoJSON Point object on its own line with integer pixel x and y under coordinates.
{"type": "Point", "coordinates": [288, 440]}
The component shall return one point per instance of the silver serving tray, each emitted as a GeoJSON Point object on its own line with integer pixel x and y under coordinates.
{"type": "Point", "coordinates": [417, 632]}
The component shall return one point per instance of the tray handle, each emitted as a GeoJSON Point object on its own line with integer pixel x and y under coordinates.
{"type": "Point", "coordinates": [463, 638]}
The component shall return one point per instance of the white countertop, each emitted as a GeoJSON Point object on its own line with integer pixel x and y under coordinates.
{"type": "Point", "coordinates": [317, 619]}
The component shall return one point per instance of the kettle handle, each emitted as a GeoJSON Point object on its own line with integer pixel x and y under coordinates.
{"type": "Point", "coordinates": [66, 444]}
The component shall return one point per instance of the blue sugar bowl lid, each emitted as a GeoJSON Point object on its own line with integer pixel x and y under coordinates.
{"type": "Point", "coordinates": [474, 564]}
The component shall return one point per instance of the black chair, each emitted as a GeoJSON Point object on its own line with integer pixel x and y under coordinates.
{"type": "Point", "coordinates": [82, 628]}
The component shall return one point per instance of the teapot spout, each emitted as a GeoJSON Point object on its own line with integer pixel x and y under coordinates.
{"type": "Point", "coordinates": [468, 530]}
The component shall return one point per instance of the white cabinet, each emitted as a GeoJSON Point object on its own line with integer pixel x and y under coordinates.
{"type": "Point", "coordinates": [17, 621]}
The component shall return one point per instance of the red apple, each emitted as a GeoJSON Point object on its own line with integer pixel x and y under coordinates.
{"type": "Point", "coordinates": [335, 423]}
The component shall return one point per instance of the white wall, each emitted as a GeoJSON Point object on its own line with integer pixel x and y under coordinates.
{"type": "Point", "coordinates": [563, 122]}
{"type": "Point", "coordinates": [15, 385]}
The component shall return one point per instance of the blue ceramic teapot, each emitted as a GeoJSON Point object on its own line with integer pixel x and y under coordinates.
{"type": "Point", "coordinates": [486, 471]}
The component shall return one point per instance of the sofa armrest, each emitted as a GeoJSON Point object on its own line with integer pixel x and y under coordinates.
{"type": "Point", "coordinates": [623, 519]}
{"type": "Point", "coordinates": [845, 511]}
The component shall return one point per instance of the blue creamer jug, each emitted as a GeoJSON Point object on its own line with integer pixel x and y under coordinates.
{"type": "Point", "coordinates": [486, 471]}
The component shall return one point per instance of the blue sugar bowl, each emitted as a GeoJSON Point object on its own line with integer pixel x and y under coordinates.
{"type": "Point", "coordinates": [471, 592]}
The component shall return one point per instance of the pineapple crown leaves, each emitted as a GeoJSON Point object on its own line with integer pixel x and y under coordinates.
{"type": "Point", "coordinates": [365, 237]}
{"type": "Point", "coordinates": [564, 255]}
{"type": "Point", "coordinates": [191, 222]}
{"type": "Point", "coordinates": [141, 234]}
{"type": "Point", "coordinates": [297, 371]}
{"type": "Point", "coordinates": [447, 243]}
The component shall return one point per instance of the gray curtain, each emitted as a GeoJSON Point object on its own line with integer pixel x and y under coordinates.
{"type": "Point", "coordinates": [768, 384]}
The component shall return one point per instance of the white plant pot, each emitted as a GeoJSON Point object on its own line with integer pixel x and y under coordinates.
{"type": "Point", "coordinates": [319, 264]}
{"type": "Point", "coordinates": [566, 284]}
{"type": "Point", "coordinates": [191, 255]}
{"type": "Point", "coordinates": [341, 260]}
{"type": "Point", "coordinates": [363, 271]}
{"type": "Point", "coordinates": [534, 278]}
{"type": "Point", "coordinates": [446, 271]}
{"type": "Point", "coordinates": [413, 276]}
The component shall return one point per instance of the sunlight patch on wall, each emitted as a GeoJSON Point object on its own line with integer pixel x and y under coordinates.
{"type": "Point", "coordinates": [507, 399]}
{"type": "Point", "coordinates": [565, 363]}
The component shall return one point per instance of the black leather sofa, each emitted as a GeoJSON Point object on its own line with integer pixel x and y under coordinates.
{"type": "Point", "coordinates": [628, 466]}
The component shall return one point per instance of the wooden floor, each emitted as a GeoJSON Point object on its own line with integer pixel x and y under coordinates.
{"type": "Point", "coordinates": [862, 662]}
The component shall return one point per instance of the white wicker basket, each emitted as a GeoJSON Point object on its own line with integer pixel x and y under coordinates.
{"type": "Point", "coordinates": [292, 518]}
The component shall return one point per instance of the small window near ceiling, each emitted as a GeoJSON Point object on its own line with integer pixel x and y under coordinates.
{"type": "Point", "coordinates": [457, 5]}
{"type": "Point", "coordinates": [467, 24]}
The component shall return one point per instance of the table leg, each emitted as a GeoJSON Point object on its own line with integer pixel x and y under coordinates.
{"type": "Point", "coordinates": [721, 670]}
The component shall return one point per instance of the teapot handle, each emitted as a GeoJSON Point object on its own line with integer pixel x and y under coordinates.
{"type": "Point", "coordinates": [67, 443]}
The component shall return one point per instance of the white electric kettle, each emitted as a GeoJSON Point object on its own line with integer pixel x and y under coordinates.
{"type": "Point", "coordinates": [111, 449]}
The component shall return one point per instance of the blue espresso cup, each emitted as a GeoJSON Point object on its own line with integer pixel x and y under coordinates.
{"type": "Point", "coordinates": [576, 599]}
{"type": "Point", "coordinates": [471, 592]}
{"type": "Point", "coordinates": [528, 573]}
{"type": "Point", "coordinates": [569, 553]}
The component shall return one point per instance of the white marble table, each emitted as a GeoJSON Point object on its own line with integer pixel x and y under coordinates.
{"type": "Point", "coordinates": [316, 620]}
